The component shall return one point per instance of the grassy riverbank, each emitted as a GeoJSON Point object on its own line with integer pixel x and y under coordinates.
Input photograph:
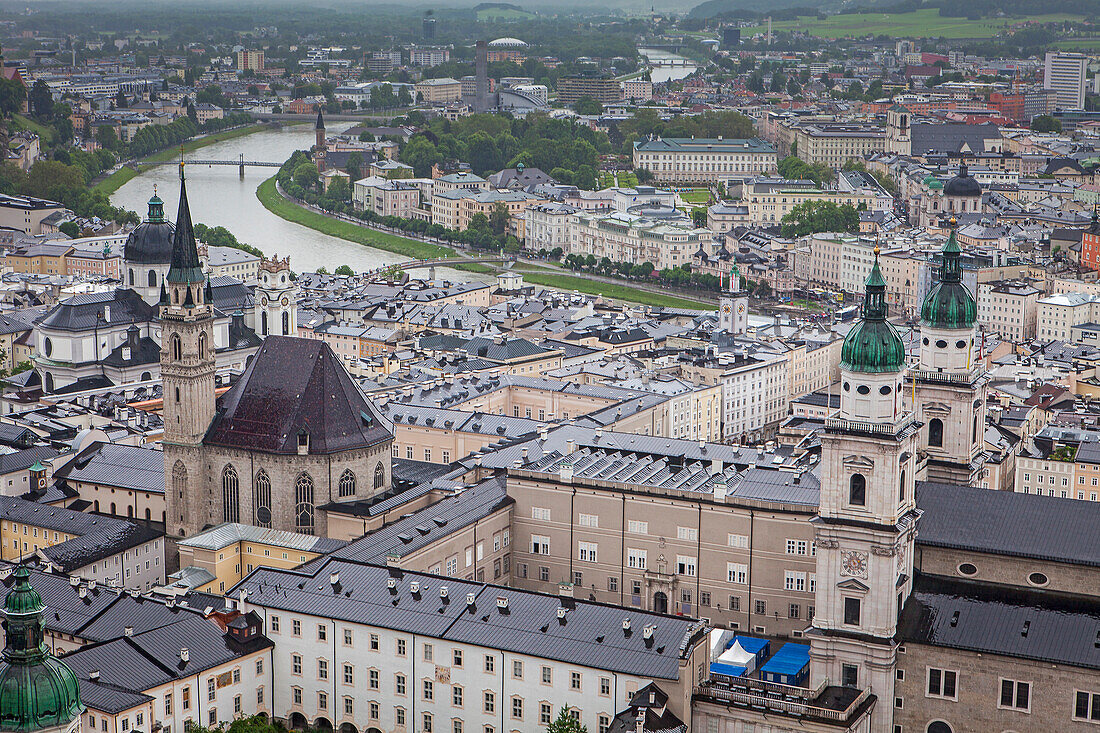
{"type": "Point", "coordinates": [116, 180]}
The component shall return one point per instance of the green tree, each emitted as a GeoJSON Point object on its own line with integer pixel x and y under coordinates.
{"type": "Point", "coordinates": [41, 100]}
{"type": "Point", "coordinates": [498, 218]}
{"type": "Point", "coordinates": [338, 190]}
{"type": "Point", "coordinates": [343, 270]}
{"type": "Point", "coordinates": [305, 175]}
{"type": "Point", "coordinates": [587, 105]}
{"type": "Point", "coordinates": [12, 96]}
{"type": "Point", "coordinates": [70, 228]}
{"type": "Point", "coordinates": [1046, 123]}
{"type": "Point", "coordinates": [421, 153]}
{"type": "Point", "coordinates": [106, 136]}
{"type": "Point", "coordinates": [820, 216]}
{"type": "Point", "coordinates": [354, 165]}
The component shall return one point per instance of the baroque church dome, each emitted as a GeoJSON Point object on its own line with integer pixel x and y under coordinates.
{"type": "Point", "coordinates": [151, 241]}
{"type": "Point", "coordinates": [949, 304]}
{"type": "Point", "coordinates": [873, 345]}
{"type": "Point", "coordinates": [37, 690]}
{"type": "Point", "coordinates": [963, 184]}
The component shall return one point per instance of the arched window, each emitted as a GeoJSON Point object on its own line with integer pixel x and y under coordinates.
{"type": "Point", "coordinates": [262, 499]}
{"type": "Point", "coordinates": [263, 323]}
{"type": "Point", "coordinates": [286, 323]}
{"type": "Point", "coordinates": [901, 487]}
{"type": "Point", "coordinates": [938, 726]}
{"type": "Point", "coordinates": [177, 347]}
{"type": "Point", "coordinates": [49, 382]}
{"type": "Point", "coordinates": [857, 490]}
{"type": "Point", "coordinates": [303, 504]}
{"type": "Point", "coordinates": [347, 483]}
{"type": "Point", "coordinates": [231, 494]}
{"type": "Point", "coordinates": [131, 276]}
{"type": "Point", "coordinates": [179, 485]}
{"type": "Point", "coordinates": [379, 476]}
{"type": "Point", "coordinates": [152, 278]}
{"type": "Point", "coordinates": [202, 345]}
{"type": "Point", "coordinates": [974, 432]}
{"type": "Point", "coordinates": [935, 432]}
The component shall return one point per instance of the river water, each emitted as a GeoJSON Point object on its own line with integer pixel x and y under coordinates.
{"type": "Point", "coordinates": [661, 73]}
{"type": "Point", "coordinates": [219, 197]}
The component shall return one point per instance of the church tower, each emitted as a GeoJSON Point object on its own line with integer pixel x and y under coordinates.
{"type": "Point", "coordinates": [320, 147]}
{"type": "Point", "coordinates": [276, 309]}
{"type": "Point", "coordinates": [867, 518]}
{"type": "Point", "coordinates": [950, 386]}
{"type": "Point", "coordinates": [733, 307]}
{"type": "Point", "coordinates": [187, 371]}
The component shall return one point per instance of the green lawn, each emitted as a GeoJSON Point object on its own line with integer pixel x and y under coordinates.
{"type": "Point", "coordinates": [610, 290]}
{"type": "Point", "coordinates": [271, 199]}
{"type": "Point", "coordinates": [1079, 44]}
{"type": "Point", "coordinates": [925, 23]}
{"type": "Point", "coordinates": [26, 123]}
{"type": "Point", "coordinates": [503, 14]}
{"type": "Point", "coordinates": [696, 196]}
{"type": "Point", "coordinates": [116, 180]}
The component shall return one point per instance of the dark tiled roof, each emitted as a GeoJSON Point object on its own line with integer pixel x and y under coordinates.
{"type": "Point", "coordinates": [295, 385]}
{"type": "Point", "coordinates": [24, 459]}
{"type": "Point", "coordinates": [1021, 623]}
{"type": "Point", "coordinates": [123, 466]}
{"type": "Point", "coordinates": [590, 634]}
{"type": "Point", "coordinates": [1008, 523]}
{"type": "Point", "coordinates": [85, 312]}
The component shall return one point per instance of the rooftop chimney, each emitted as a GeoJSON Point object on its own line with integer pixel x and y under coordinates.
{"type": "Point", "coordinates": [185, 655]}
{"type": "Point", "coordinates": [128, 631]}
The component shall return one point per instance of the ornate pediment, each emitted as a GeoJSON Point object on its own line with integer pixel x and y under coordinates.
{"type": "Point", "coordinates": [936, 408]}
{"type": "Point", "coordinates": [854, 585]}
{"type": "Point", "coordinates": [858, 463]}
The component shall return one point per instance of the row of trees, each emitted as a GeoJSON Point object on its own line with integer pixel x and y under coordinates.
{"type": "Point", "coordinates": [677, 277]}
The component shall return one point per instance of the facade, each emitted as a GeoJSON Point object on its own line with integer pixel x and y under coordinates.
{"type": "Point", "coordinates": [769, 201]}
{"type": "Point", "coordinates": [604, 91]}
{"type": "Point", "coordinates": [249, 60]}
{"type": "Point", "coordinates": [636, 238]}
{"type": "Point", "coordinates": [704, 159]}
{"type": "Point", "coordinates": [386, 197]}
{"type": "Point", "coordinates": [1009, 308]}
{"type": "Point", "coordinates": [1059, 313]}
{"type": "Point", "coordinates": [1067, 75]}
{"type": "Point", "coordinates": [471, 663]}
{"type": "Point", "coordinates": [26, 213]}
{"type": "Point", "coordinates": [834, 144]}
{"type": "Point", "coordinates": [439, 91]}
{"type": "Point", "coordinates": [754, 391]}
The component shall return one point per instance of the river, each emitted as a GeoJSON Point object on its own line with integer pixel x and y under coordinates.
{"type": "Point", "coordinates": [661, 71]}
{"type": "Point", "coordinates": [219, 197]}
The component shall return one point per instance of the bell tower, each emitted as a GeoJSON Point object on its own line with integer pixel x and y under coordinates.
{"type": "Point", "coordinates": [950, 386]}
{"type": "Point", "coordinates": [733, 307]}
{"type": "Point", "coordinates": [187, 372]}
{"type": "Point", "coordinates": [320, 147]}
{"type": "Point", "coordinates": [867, 517]}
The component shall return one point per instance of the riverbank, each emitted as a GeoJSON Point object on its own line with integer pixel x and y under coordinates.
{"type": "Point", "coordinates": [128, 172]}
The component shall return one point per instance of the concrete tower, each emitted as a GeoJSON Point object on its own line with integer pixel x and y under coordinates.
{"type": "Point", "coordinates": [867, 519]}
{"type": "Point", "coordinates": [481, 76]}
{"type": "Point", "coordinates": [187, 371]}
{"type": "Point", "coordinates": [950, 386]}
{"type": "Point", "coordinates": [276, 299]}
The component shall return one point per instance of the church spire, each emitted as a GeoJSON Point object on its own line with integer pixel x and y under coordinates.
{"type": "Point", "coordinates": [185, 267]}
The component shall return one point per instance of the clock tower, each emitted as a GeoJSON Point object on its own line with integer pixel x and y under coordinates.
{"type": "Point", "coordinates": [867, 518]}
{"type": "Point", "coordinates": [733, 307]}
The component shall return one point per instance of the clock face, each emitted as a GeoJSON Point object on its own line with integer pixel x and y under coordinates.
{"type": "Point", "coordinates": [726, 308]}
{"type": "Point", "coordinates": [853, 563]}
{"type": "Point", "coordinates": [285, 301]}
{"type": "Point", "coordinates": [740, 309]}
{"type": "Point", "coordinates": [263, 301]}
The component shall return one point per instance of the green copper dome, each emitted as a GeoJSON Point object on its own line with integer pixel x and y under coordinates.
{"type": "Point", "coordinates": [37, 690]}
{"type": "Point", "coordinates": [949, 304]}
{"type": "Point", "coordinates": [873, 345]}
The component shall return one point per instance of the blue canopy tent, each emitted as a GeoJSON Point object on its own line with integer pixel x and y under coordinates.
{"type": "Point", "coordinates": [789, 666]}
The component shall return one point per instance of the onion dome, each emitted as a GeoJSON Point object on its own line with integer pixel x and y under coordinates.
{"type": "Point", "coordinates": [949, 304]}
{"type": "Point", "coordinates": [37, 690]}
{"type": "Point", "coordinates": [151, 241]}
{"type": "Point", "coordinates": [873, 345]}
{"type": "Point", "coordinates": [963, 184]}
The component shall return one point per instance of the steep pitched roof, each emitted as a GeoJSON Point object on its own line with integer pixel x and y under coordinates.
{"type": "Point", "coordinates": [296, 385]}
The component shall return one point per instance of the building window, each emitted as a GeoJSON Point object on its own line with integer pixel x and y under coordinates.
{"type": "Point", "coordinates": [380, 475]}
{"type": "Point", "coordinates": [517, 708]}
{"type": "Point", "coordinates": [262, 492]}
{"type": "Point", "coordinates": [935, 432]}
{"type": "Point", "coordinates": [942, 683]}
{"type": "Point", "coordinates": [849, 675]}
{"type": "Point", "coordinates": [231, 495]}
{"type": "Point", "coordinates": [303, 496]}
{"type": "Point", "coordinates": [1016, 695]}
{"type": "Point", "coordinates": [1087, 706]}
{"type": "Point", "coordinates": [429, 690]}
{"type": "Point", "coordinates": [347, 483]}
{"type": "Point", "coordinates": [489, 702]}
{"type": "Point", "coordinates": [574, 680]}
{"type": "Point", "coordinates": [587, 551]}
{"type": "Point", "coordinates": [851, 611]}
{"type": "Point", "coordinates": [857, 490]}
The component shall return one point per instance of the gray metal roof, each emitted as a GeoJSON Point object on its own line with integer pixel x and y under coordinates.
{"type": "Point", "coordinates": [124, 466]}
{"type": "Point", "coordinates": [229, 533]}
{"type": "Point", "coordinates": [1008, 523]}
{"type": "Point", "coordinates": [590, 634]}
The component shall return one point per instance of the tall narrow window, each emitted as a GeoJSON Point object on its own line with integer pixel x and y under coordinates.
{"type": "Point", "coordinates": [262, 499]}
{"type": "Point", "coordinates": [202, 345]}
{"type": "Point", "coordinates": [231, 494]}
{"type": "Point", "coordinates": [152, 278]}
{"type": "Point", "coordinates": [901, 487]}
{"type": "Point", "coordinates": [935, 432]}
{"type": "Point", "coordinates": [263, 323]}
{"type": "Point", "coordinates": [303, 497]}
{"type": "Point", "coordinates": [857, 490]}
{"type": "Point", "coordinates": [177, 347]}
{"type": "Point", "coordinates": [347, 483]}
{"type": "Point", "coordinates": [379, 476]}
{"type": "Point", "coordinates": [286, 323]}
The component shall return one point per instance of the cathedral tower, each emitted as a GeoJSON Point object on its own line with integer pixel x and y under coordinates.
{"type": "Point", "coordinates": [950, 385]}
{"type": "Point", "coordinates": [866, 524]}
{"type": "Point", "coordinates": [187, 371]}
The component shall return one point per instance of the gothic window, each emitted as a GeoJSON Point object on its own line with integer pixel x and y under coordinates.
{"type": "Point", "coordinates": [347, 483]}
{"type": "Point", "coordinates": [263, 323]}
{"type": "Point", "coordinates": [177, 347]}
{"type": "Point", "coordinates": [303, 499]}
{"type": "Point", "coordinates": [935, 432]}
{"type": "Point", "coordinates": [152, 278]}
{"type": "Point", "coordinates": [231, 494]}
{"type": "Point", "coordinates": [179, 482]}
{"type": "Point", "coordinates": [202, 345]}
{"type": "Point", "coordinates": [857, 490]}
{"type": "Point", "coordinates": [379, 476]}
{"type": "Point", "coordinates": [262, 499]}
{"type": "Point", "coordinates": [286, 323]}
